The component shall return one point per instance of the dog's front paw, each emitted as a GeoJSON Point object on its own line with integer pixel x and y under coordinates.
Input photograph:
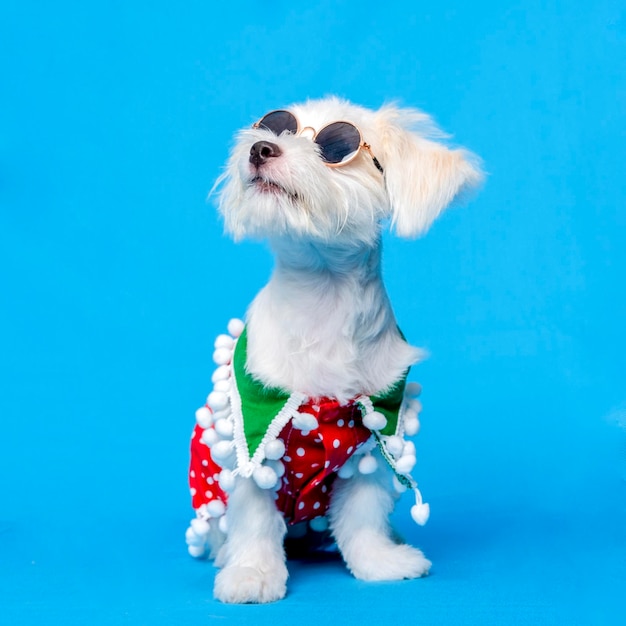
{"type": "Point", "coordinates": [237, 584]}
{"type": "Point", "coordinates": [385, 560]}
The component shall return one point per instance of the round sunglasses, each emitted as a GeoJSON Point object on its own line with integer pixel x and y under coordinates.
{"type": "Point", "coordinates": [339, 142]}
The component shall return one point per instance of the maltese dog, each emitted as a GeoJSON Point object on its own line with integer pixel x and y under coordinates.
{"type": "Point", "coordinates": [309, 420]}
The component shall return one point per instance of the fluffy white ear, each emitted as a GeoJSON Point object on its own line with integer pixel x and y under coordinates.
{"type": "Point", "coordinates": [422, 175]}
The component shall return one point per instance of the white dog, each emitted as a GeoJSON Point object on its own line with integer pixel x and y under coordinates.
{"type": "Point", "coordinates": [315, 381]}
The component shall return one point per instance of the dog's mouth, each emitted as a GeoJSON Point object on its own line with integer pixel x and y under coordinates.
{"type": "Point", "coordinates": [264, 185]}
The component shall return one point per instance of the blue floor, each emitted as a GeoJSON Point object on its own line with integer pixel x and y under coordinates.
{"type": "Point", "coordinates": [115, 120]}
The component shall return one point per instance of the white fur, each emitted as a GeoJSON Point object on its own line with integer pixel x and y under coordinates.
{"type": "Point", "coordinates": [252, 558]}
{"type": "Point", "coordinates": [323, 325]}
{"type": "Point", "coordinates": [359, 519]}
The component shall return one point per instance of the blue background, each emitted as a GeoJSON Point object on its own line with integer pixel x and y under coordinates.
{"type": "Point", "coordinates": [115, 120]}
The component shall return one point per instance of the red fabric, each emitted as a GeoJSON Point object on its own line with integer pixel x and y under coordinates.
{"type": "Point", "coordinates": [311, 461]}
{"type": "Point", "coordinates": [203, 473]}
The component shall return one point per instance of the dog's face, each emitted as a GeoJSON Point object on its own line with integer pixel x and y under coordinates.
{"type": "Point", "coordinates": [280, 183]}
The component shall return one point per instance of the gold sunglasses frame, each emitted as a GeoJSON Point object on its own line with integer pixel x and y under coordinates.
{"type": "Point", "coordinates": [299, 130]}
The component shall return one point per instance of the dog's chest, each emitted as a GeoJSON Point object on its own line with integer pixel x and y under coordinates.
{"type": "Point", "coordinates": [327, 341]}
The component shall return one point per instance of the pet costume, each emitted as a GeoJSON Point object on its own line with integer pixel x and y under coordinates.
{"type": "Point", "coordinates": [290, 443]}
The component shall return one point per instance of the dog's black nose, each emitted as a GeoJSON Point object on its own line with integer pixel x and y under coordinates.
{"type": "Point", "coordinates": [261, 151]}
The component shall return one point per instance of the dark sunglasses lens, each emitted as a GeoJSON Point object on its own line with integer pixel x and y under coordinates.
{"type": "Point", "coordinates": [279, 121]}
{"type": "Point", "coordinates": [338, 141]}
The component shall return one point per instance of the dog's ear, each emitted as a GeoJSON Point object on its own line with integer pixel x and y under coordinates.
{"type": "Point", "coordinates": [422, 175]}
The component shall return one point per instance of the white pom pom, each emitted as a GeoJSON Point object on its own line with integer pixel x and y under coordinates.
{"type": "Point", "coordinates": [409, 413]}
{"type": "Point", "coordinates": [398, 486]}
{"type": "Point", "coordinates": [222, 356]}
{"type": "Point", "coordinates": [196, 551]}
{"type": "Point", "coordinates": [224, 341]}
{"type": "Point", "coordinates": [204, 417]}
{"type": "Point", "coordinates": [265, 477]}
{"type": "Point", "coordinates": [200, 527]}
{"type": "Point", "coordinates": [411, 426]}
{"type": "Point", "coordinates": [217, 400]}
{"type": "Point", "coordinates": [235, 327]}
{"type": "Point", "coordinates": [405, 464]}
{"type": "Point", "coordinates": [277, 466]}
{"type": "Point", "coordinates": [375, 421]}
{"type": "Point", "coordinates": [347, 469]}
{"type": "Point", "coordinates": [415, 405]}
{"type": "Point", "coordinates": [216, 508]}
{"type": "Point", "coordinates": [223, 414]}
{"type": "Point", "coordinates": [408, 448]}
{"type": "Point", "coordinates": [304, 422]}
{"type": "Point", "coordinates": [412, 390]}
{"type": "Point", "coordinates": [210, 437]}
{"type": "Point", "coordinates": [224, 428]}
{"type": "Point", "coordinates": [221, 373]}
{"type": "Point", "coordinates": [226, 480]}
{"type": "Point", "coordinates": [275, 449]}
{"type": "Point", "coordinates": [221, 450]}
{"type": "Point", "coordinates": [223, 524]}
{"type": "Point", "coordinates": [394, 445]}
{"type": "Point", "coordinates": [420, 513]}
{"type": "Point", "coordinates": [368, 464]}
{"type": "Point", "coordinates": [319, 524]}
{"type": "Point", "coordinates": [222, 385]}
{"type": "Point", "coordinates": [228, 462]}
{"type": "Point", "coordinates": [193, 539]}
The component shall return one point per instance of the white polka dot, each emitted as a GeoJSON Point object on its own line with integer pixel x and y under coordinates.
{"type": "Point", "coordinates": [340, 423]}
{"type": "Point", "coordinates": [192, 491]}
{"type": "Point", "coordinates": [351, 424]}
{"type": "Point", "coordinates": [301, 506]}
{"type": "Point", "coordinates": [316, 505]}
{"type": "Point", "coordinates": [208, 494]}
{"type": "Point", "coordinates": [314, 465]}
{"type": "Point", "coordinates": [192, 474]}
{"type": "Point", "coordinates": [300, 451]}
{"type": "Point", "coordinates": [216, 476]}
{"type": "Point", "coordinates": [327, 464]}
{"type": "Point", "coordinates": [299, 475]}
{"type": "Point", "coordinates": [324, 489]}
{"type": "Point", "coordinates": [321, 436]}
{"type": "Point", "coordinates": [349, 450]}
{"type": "Point", "coordinates": [210, 480]}
{"type": "Point", "coordinates": [336, 443]}
{"type": "Point", "coordinates": [287, 458]}
{"type": "Point", "coordinates": [205, 463]}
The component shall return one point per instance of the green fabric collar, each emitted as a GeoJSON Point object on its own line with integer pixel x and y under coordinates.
{"type": "Point", "coordinates": [267, 409]}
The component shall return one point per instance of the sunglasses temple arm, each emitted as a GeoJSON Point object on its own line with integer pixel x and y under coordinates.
{"type": "Point", "coordinates": [379, 167]}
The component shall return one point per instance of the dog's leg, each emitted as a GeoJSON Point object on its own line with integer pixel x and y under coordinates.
{"type": "Point", "coordinates": [252, 558]}
{"type": "Point", "coordinates": [359, 518]}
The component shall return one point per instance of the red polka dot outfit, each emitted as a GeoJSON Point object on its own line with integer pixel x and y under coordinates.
{"type": "Point", "coordinates": [311, 460]}
{"type": "Point", "coordinates": [203, 473]}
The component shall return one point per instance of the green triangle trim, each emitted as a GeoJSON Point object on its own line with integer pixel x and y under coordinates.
{"type": "Point", "coordinates": [259, 404]}
{"type": "Point", "coordinates": [389, 403]}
